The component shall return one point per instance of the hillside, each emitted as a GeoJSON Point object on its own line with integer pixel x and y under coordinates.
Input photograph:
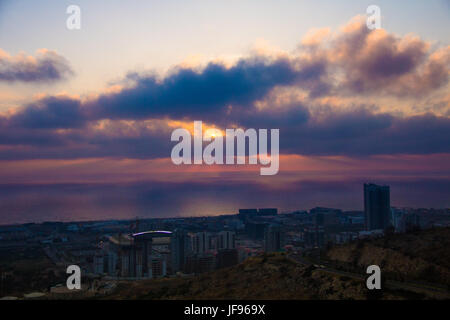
{"type": "Point", "coordinates": [273, 276]}
{"type": "Point", "coordinates": [417, 256]}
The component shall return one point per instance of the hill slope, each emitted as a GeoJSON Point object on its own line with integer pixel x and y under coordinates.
{"type": "Point", "coordinates": [272, 276]}
{"type": "Point", "coordinates": [416, 256]}
{"type": "Point", "coordinates": [406, 261]}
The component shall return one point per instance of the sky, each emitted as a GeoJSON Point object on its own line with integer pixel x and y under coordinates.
{"type": "Point", "coordinates": [86, 115]}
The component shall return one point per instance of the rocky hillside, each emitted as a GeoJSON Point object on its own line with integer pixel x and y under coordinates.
{"type": "Point", "coordinates": [272, 276]}
{"type": "Point", "coordinates": [417, 256]}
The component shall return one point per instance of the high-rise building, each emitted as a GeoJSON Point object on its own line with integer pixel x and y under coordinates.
{"type": "Point", "coordinates": [132, 254]}
{"type": "Point", "coordinates": [158, 267]}
{"type": "Point", "coordinates": [201, 242]}
{"type": "Point", "coordinates": [377, 207]}
{"type": "Point", "coordinates": [255, 229]}
{"type": "Point", "coordinates": [112, 263]}
{"type": "Point", "coordinates": [273, 239]}
{"type": "Point", "coordinates": [198, 263]}
{"type": "Point", "coordinates": [179, 249]}
{"type": "Point", "coordinates": [227, 240]}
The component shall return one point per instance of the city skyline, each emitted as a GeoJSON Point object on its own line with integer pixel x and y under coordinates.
{"type": "Point", "coordinates": [86, 115]}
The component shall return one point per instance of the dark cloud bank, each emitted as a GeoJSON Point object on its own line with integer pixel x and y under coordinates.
{"type": "Point", "coordinates": [378, 64]}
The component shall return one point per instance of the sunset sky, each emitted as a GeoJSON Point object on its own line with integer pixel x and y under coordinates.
{"type": "Point", "coordinates": [86, 115]}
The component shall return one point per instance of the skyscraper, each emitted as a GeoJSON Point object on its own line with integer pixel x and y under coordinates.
{"type": "Point", "coordinates": [179, 249]}
{"type": "Point", "coordinates": [376, 206]}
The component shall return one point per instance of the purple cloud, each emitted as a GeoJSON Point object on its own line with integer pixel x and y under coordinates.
{"type": "Point", "coordinates": [47, 66]}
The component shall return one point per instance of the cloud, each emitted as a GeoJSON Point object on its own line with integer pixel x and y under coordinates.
{"type": "Point", "coordinates": [360, 132]}
{"type": "Point", "coordinates": [203, 93]}
{"type": "Point", "coordinates": [356, 132]}
{"type": "Point", "coordinates": [133, 120]}
{"type": "Point", "coordinates": [374, 61]}
{"type": "Point", "coordinates": [351, 62]}
{"type": "Point", "coordinates": [50, 113]}
{"type": "Point", "coordinates": [215, 93]}
{"type": "Point", "coordinates": [47, 66]}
